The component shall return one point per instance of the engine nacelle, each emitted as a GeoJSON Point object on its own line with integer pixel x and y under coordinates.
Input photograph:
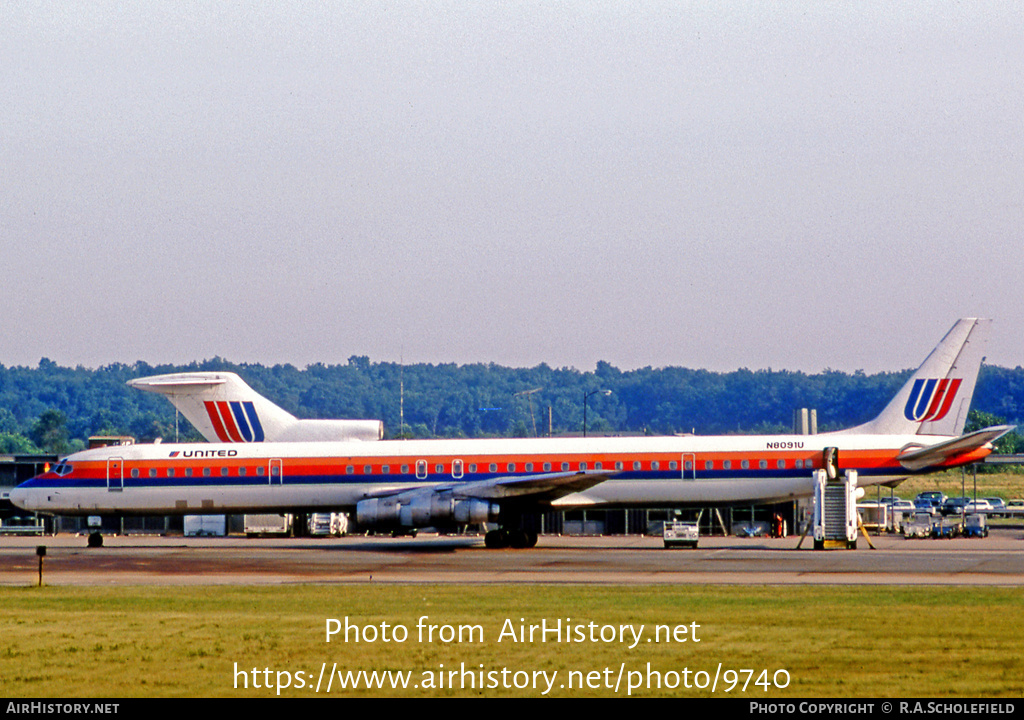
{"type": "Point", "coordinates": [332, 431]}
{"type": "Point", "coordinates": [424, 510]}
{"type": "Point", "coordinates": [377, 511]}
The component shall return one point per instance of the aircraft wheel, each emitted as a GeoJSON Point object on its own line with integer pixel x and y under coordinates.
{"type": "Point", "coordinates": [95, 540]}
{"type": "Point", "coordinates": [519, 539]}
{"type": "Point", "coordinates": [528, 537]}
{"type": "Point", "coordinates": [496, 539]}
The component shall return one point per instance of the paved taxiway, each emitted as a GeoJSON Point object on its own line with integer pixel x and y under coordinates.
{"type": "Point", "coordinates": [145, 560]}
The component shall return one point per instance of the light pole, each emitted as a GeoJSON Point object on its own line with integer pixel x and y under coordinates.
{"type": "Point", "coordinates": [586, 395]}
{"type": "Point", "coordinates": [529, 396]}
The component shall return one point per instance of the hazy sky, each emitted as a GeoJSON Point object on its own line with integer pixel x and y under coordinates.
{"type": "Point", "coordinates": [718, 184]}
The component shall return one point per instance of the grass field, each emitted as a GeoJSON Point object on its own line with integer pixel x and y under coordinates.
{"type": "Point", "coordinates": [954, 483]}
{"type": "Point", "coordinates": [832, 641]}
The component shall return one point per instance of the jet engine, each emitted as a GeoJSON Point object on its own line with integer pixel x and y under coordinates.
{"type": "Point", "coordinates": [424, 509]}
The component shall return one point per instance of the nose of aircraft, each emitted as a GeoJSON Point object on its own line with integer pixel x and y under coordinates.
{"type": "Point", "coordinates": [22, 497]}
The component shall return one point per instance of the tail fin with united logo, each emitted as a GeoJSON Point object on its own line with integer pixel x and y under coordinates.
{"type": "Point", "coordinates": [936, 399]}
{"type": "Point", "coordinates": [223, 408]}
{"type": "Point", "coordinates": [934, 402]}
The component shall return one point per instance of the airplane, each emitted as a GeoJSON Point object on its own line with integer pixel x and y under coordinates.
{"type": "Point", "coordinates": [223, 408]}
{"type": "Point", "coordinates": [407, 484]}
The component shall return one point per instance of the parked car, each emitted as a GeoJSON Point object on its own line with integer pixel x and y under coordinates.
{"type": "Point", "coordinates": [935, 496]}
{"type": "Point", "coordinates": [981, 505]}
{"type": "Point", "coordinates": [954, 506]}
{"type": "Point", "coordinates": [998, 506]}
{"type": "Point", "coordinates": [904, 506]}
{"type": "Point", "coordinates": [927, 505]}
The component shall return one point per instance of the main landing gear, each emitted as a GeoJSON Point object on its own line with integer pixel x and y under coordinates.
{"type": "Point", "coordinates": [95, 540]}
{"type": "Point", "coordinates": [503, 538]}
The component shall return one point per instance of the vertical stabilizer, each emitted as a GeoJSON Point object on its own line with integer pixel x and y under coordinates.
{"type": "Point", "coordinates": [220, 405]}
{"type": "Point", "coordinates": [223, 408]}
{"type": "Point", "coordinates": [936, 399]}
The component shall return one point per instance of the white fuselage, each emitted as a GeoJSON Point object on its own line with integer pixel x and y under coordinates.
{"type": "Point", "coordinates": [645, 471]}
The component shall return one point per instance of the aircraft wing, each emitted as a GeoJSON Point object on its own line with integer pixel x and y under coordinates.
{"type": "Point", "coordinates": [918, 458]}
{"type": "Point", "coordinates": [543, 487]}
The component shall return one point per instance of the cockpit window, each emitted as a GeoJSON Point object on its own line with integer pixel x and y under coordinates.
{"type": "Point", "coordinates": [63, 469]}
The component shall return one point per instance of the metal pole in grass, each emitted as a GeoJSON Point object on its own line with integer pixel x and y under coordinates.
{"type": "Point", "coordinates": [41, 553]}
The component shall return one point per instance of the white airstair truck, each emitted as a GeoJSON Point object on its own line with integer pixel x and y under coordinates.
{"type": "Point", "coordinates": [835, 505]}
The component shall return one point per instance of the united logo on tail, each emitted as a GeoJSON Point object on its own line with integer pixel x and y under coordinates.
{"type": "Point", "coordinates": [235, 421]}
{"type": "Point", "coordinates": [930, 399]}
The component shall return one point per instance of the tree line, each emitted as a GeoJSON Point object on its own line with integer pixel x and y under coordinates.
{"type": "Point", "coordinates": [55, 408]}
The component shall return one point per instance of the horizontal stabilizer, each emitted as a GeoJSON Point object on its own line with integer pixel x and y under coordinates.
{"type": "Point", "coordinates": [916, 457]}
{"type": "Point", "coordinates": [167, 383]}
